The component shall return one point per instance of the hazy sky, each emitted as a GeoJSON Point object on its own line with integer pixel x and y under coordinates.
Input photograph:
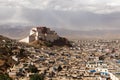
{"type": "Point", "coordinates": [69, 14]}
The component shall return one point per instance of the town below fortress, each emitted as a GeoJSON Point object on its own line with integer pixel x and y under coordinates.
{"type": "Point", "coordinates": [84, 59]}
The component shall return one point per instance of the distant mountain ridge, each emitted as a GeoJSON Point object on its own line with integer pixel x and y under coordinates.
{"type": "Point", "coordinates": [14, 31]}
{"type": "Point", "coordinates": [21, 31]}
{"type": "Point", "coordinates": [78, 34]}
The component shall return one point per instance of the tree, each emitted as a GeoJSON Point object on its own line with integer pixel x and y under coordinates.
{"type": "Point", "coordinates": [33, 69]}
{"type": "Point", "coordinates": [48, 44]}
{"type": "Point", "coordinates": [37, 77]}
{"type": "Point", "coordinates": [5, 77]}
{"type": "Point", "coordinates": [102, 57]}
{"type": "Point", "coordinates": [59, 68]}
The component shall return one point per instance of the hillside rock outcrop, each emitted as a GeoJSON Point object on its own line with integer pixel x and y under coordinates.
{"type": "Point", "coordinates": [45, 36]}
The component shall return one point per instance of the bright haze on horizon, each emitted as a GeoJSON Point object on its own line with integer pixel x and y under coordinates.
{"type": "Point", "coordinates": [68, 14]}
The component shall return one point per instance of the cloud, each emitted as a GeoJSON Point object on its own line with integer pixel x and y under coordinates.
{"type": "Point", "coordinates": [69, 14]}
{"type": "Point", "coordinates": [95, 6]}
{"type": "Point", "coordinates": [77, 20]}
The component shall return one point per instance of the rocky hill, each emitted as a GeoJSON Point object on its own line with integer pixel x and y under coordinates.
{"type": "Point", "coordinates": [10, 48]}
{"type": "Point", "coordinates": [57, 43]}
{"type": "Point", "coordinates": [43, 36]}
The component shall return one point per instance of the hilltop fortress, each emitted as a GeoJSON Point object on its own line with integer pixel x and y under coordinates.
{"type": "Point", "coordinates": [41, 33]}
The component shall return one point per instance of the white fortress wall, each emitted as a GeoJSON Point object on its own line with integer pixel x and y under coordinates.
{"type": "Point", "coordinates": [32, 31]}
{"type": "Point", "coordinates": [26, 40]}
